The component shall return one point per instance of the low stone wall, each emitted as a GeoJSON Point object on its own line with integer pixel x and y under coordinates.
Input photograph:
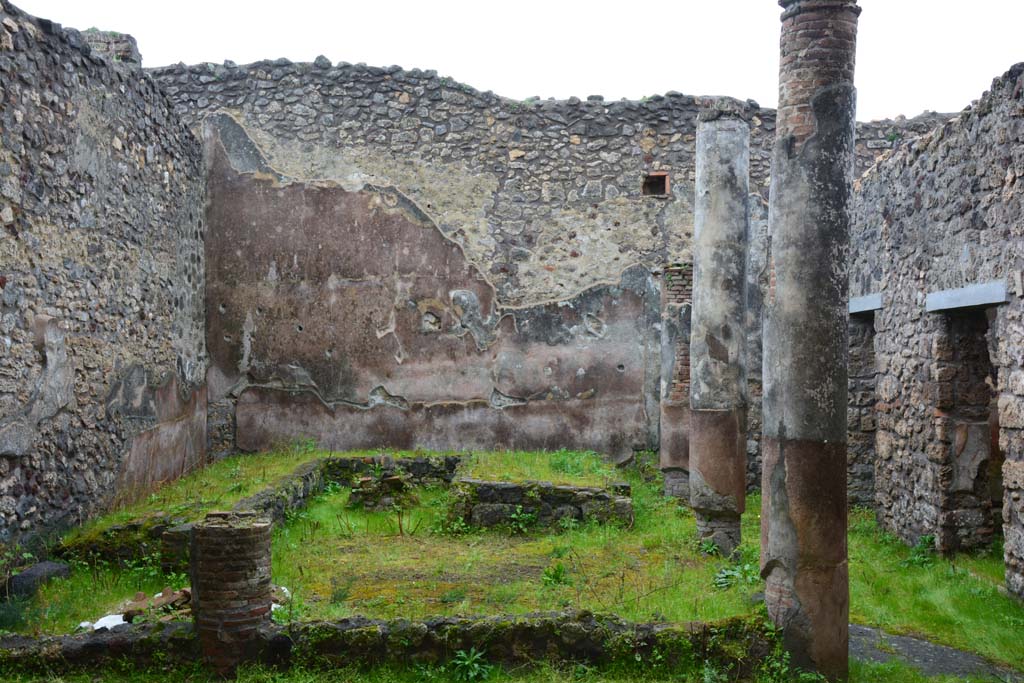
{"type": "Point", "coordinates": [171, 534]}
{"type": "Point", "coordinates": [421, 470]}
{"type": "Point", "coordinates": [495, 503]}
{"type": "Point", "coordinates": [290, 493]}
{"type": "Point", "coordinates": [556, 637]}
{"type": "Point", "coordinates": [129, 541]}
{"type": "Point", "coordinates": [143, 645]}
{"type": "Point", "coordinates": [736, 645]}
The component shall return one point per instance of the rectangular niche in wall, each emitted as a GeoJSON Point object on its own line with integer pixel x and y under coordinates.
{"type": "Point", "coordinates": [965, 383]}
{"type": "Point", "coordinates": [656, 184]}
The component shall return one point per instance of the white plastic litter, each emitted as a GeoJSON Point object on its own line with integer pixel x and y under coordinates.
{"type": "Point", "coordinates": [109, 621]}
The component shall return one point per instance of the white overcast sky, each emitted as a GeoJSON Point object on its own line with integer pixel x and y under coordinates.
{"type": "Point", "coordinates": [913, 55]}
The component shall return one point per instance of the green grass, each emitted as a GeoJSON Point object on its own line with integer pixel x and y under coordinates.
{"type": "Point", "coordinates": [88, 594]}
{"type": "Point", "coordinates": [560, 467]}
{"type": "Point", "coordinates": [953, 601]}
{"type": "Point", "coordinates": [339, 562]}
{"type": "Point", "coordinates": [223, 483]}
{"type": "Point", "coordinates": [653, 571]}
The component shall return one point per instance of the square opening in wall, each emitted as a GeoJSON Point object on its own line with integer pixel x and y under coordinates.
{"type": "Point", "coordinates": [656, 184]}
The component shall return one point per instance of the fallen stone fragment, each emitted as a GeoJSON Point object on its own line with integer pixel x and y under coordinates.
{"type": "Point", "coordinates": [26, 583]}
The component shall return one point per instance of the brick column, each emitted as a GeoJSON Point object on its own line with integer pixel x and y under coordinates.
{"type": "Point", "coordinates": [674, 447]}
{"type": "Point", "coordinates": [718, 368]}
{"type": "Point", "coordinates": [803, 516]}
{"type": "Point", "coordinates": [231, 597]}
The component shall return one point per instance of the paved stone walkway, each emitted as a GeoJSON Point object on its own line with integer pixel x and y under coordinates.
{"type": "Point", "coordinates": [871, 645]}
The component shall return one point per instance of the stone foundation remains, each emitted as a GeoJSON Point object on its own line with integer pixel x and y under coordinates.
{"type": "Point", "coordinates": [522, 505]}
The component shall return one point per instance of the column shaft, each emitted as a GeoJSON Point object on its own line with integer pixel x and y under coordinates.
{"type": "Point", "coordinates": [718, 373]}
{"type": "Point", "coordinates": [803, 517]}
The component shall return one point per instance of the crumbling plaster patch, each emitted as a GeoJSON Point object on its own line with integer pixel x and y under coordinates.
{"type": "Point", "coordinates": [599, 240]}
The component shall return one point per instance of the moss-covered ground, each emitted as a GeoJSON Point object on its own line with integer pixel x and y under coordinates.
{"type": "Point", "coordinates": [225, 482]}
{"type": "Point", "coordinates": [217, 486]}
{"type": "Point", "coordinates": [338, 561]}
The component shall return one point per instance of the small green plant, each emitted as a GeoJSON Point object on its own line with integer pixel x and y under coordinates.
{"type": "Point", "coordinates": [469, 665]}
{"type": "Point", "coordinates": [567, 462]}
{"type": "Point", "coordinates": [710, 673]}
{"type": "Point", "coordinates": [708, 547]}
{"type": "Point", "coordinates": [568, 523]}
{"type": "Point", "coordinates": [520, 521]}
{"type": "Point", "coordinates": [455, 595]}
{"type": "Point", "coordinates": [341, 589]}
{"type": "Point", "coordinates": [737, 575]}
{"type": "Point", "coordinates": [304, 446]}
{"type": "Point", "coordinates": [776, 668]}
{"type": "Point", "coordinates": [560, 551]}
{"type": "Point", "coordinates": [922, 554]}
{"type": "Point", "coordinates": [15, 613]}
{"type": "Point", "coordinates": [451, 526]}
{"type": "Point", "coordinates": [556, 575]}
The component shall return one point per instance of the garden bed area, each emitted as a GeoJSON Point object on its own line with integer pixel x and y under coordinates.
{"type": "Point", "coordinates": [421, 560]}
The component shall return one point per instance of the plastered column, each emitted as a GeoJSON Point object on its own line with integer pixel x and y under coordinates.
{"type": "Point", "coordinates": [803, 517]}
{"type": "Point", "coordinates": [718, 373]}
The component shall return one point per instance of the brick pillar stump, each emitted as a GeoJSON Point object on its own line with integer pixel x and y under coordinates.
{"type": "Point", "coordinates": [231, 596]}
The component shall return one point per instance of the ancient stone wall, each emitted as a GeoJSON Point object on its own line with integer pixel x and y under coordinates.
{"type": "Point", "coordinates": [102, 350]}
{"type": "Point", "coordinates": [500, 259]}
{"type": "Point", "coordinates": [940, 213]}
{"type": "Point", "coordinates": [861, 420]}
{"type": "Point", "coordinates": [875, 138]}
{"type": "Point", "coordinates": [546, 203]}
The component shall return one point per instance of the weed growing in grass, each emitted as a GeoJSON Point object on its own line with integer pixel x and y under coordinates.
{"type": "Point", "coordinates": [711, 673]}
{"type": "Point", "coordinates": [708, 547]}
{"type": "Point", "coordinates": [776, 668]}
{"type": "Point", "coordinates": [922, 554]}
{"type": "Point", "coordinates": [294, 609]}
{"type": "Point", "coordinates": [556, 575]}
{"type": "Point", "coordinates": [341, 589]}
{"type": "Point", "coordinates": [469, 666]}
{"type": "Point", "coordinates": [450, 526]}
{"type": "Point", "coordinates": [568, 523]}
{"type": "Point", "coordinates": [405, 523]}
{"type": "Point", "coordinates": [737, 575]}
{"type": "Point", "coordinates": [15, 614]}
{"type": "Point", "coordinates": [453, 596]}
{"type": "Point", "coordinates": [520, 521]}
